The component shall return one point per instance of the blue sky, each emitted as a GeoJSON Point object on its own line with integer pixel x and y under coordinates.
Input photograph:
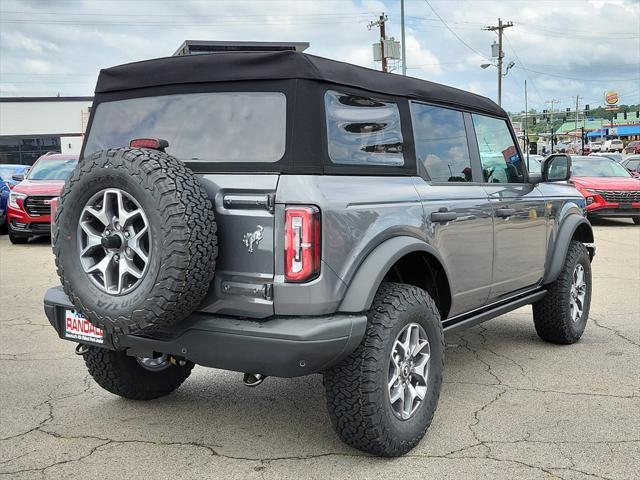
{"type": "Point", "coordinates": [562, 47]}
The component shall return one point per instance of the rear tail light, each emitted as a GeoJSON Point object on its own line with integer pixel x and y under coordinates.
{"type": "Point", "coordinates": [301, 243]}
{"type": "Point", "coordinates": [154, 143]}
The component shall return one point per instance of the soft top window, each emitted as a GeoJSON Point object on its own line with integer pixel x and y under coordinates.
{"type": "Point", "coordinates": [363, 130]}
{"type": "Point", "coordinates": [200, 127]}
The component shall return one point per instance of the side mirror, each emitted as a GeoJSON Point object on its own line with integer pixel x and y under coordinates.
{"type": "Point", "coordinates": [556, 168]}
{"type": "Point", "coordinates": [18, 177]}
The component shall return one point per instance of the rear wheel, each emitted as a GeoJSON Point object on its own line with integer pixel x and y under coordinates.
{"type": "Point", "coordinates": [561, 316]}
{"type": "Point", "coordinates": [381, 398]}
{"type": "Point", "coordinates": [133, 377]}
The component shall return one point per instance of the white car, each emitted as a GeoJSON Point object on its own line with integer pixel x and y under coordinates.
{"type": "Point", "coordinates": [595, 146]}
{"type": "Point", "coordinates": [612, 146]}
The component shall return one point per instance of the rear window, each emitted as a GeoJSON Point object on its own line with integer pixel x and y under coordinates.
{"type": "Point", "coordinates": [362, 130]}
{"type": "Point", "coordinates": [207, 127]}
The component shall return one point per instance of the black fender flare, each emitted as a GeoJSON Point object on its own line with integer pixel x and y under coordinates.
{"type": "Point", "coordinates": [371, 272]}
{"type": "Point", "coordinates": [561, 245]}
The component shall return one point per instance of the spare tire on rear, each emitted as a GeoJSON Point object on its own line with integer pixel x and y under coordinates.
{"type": "Point", "coordinates": [136, 243]}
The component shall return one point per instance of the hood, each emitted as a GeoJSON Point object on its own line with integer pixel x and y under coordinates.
{"type": "Point", "coordinates": [607, 183]}
{"type": "Point", "coordinates": [40, 187]}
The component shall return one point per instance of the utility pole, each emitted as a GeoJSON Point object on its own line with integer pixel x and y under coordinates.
{"type": "Point", "coordinates": [577, 107]}
{"type": "Point", "coordinates": [380, 23]}
{"type": "Point", "coordinates": [553, 101]}
{"type": "Point", "coordinates": [499, 28]}
{"type": "Point", "coordinates": [404, 49]}
{"type": "Point", "coordinates": [526, 115]}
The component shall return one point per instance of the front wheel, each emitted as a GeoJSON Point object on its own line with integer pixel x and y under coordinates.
{"type": "Point", "coordinates": [17, 239]}
{"type": "Point", "coordinates": [561, 316]}
{"type": "Point", "coordinates": [135, 378]}
{"type": "Point", "coordinates": [636, 220]}
{"type": "Point", "coordinates": [381, 398]}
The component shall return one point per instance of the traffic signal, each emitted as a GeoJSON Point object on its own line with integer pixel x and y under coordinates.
{"type": "Point", "coordinates": [586, 107]}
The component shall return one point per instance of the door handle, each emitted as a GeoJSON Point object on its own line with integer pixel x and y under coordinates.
{"type": "Point", "coordinates": [505, 212]}
{"type": "Point", "coordinates": [443, 215]}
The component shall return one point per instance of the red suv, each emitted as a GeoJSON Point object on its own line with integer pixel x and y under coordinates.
{"type": "Point", "coordinates": [29, 211]}
{"type": "Point", "coordinates": [608, 187]}
{"type": "Point", "coordinates": [632, 147]}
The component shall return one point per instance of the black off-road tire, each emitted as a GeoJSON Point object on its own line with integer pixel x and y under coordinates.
{"type": "Point", "coordinates": [17, 239]}
{"type": "Point", "coordinates": [552, 314]}
{"type": "Point", "coordinates": [356, 388]}
{"type": "Point", "coordinates": [636, 220]}
{"type": "Point", "coordinates": [122, 375]}
{"type": "Point", "coordinates": [183, 239]}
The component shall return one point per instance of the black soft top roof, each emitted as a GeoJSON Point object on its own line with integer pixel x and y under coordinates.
{"type": "Point", "coordinates": [238, 66]}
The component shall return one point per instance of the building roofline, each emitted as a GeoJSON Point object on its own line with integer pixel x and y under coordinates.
{"type": "Point", "coordinates": [210, 46]}
{"type": "Point", "coordinates": [44, 99]}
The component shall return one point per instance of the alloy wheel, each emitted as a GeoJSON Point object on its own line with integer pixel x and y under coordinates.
{"type": "Point", "coordinates": [408, 371]}
{"type": "Point", "coordinates": [578, 292]}
{"type": "Point", "coordinates": [114, 241]}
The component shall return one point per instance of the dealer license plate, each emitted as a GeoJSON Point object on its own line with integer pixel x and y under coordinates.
{"type": "Point", "coordinates": [77, 327]}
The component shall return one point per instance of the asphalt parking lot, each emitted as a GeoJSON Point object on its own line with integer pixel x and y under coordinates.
{"type": "Point", "coordinates": [511, 407]}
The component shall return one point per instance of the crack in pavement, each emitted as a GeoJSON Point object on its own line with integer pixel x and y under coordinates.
{"type": "Point", "coordinates": [541, 390]}
{"type": "Point", "coordinates": [617, 333]}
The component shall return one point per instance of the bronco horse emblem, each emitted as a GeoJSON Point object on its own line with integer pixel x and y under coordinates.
{"type": "Point", "coordinates": [253, 238]}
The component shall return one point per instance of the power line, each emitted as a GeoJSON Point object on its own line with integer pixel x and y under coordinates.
{"type": "Point", "coordinates": [453, 32]}
{"type": "Point", "coordinates": [580, 79]}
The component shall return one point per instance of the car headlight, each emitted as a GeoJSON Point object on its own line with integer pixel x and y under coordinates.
{"type": "Point", "coordinates": [14, 197]}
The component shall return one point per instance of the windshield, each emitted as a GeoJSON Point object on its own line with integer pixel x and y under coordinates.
{"type": "Point", "coordinates": [6, 171]}
{"type": "Point", "coordinates": [214, 127]}
{"type": "Point", "coordinates": [52, 169]}
{"type": "Point", "coordinates": [598, 167]}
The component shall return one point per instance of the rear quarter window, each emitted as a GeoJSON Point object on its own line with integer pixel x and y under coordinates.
{"type": "Point", "coordinates": [363, 130]}
{"type": "Point", "coordinates": [208, 127]}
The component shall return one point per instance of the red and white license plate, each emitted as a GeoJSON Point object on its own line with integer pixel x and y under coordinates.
{"type": "Point", "coordinates": [78, 328]}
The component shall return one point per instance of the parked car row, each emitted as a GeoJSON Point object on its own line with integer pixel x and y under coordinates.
{"type": "Point", "coordinates": [26, 192]}
{"type": "Point", "coordinates": [25, 201]}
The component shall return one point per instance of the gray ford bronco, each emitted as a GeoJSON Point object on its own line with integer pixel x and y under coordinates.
{"type": "Point", "coordinates": [277, 213]}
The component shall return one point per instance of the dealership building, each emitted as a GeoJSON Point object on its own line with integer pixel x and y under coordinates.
{"type": "Point", "coordinates": [33, 126]}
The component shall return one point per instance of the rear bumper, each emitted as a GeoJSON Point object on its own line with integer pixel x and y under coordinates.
{"type": "Point", "coordinates": [278, 346]}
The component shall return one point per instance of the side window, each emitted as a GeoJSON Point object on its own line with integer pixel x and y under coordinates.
{"type": "Point", "coordinates": [363, 130]}
{"type": "Point", "coordinates": [441, 143]}
{"type": "Point", "coordinates": [501, 162]}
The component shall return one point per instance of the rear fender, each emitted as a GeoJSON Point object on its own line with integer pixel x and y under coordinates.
{"type": "Point", "coordinates": [372, 270]}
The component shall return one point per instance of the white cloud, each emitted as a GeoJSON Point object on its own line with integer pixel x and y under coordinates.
{"type": "Point", "coordinates": [60, 46]}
